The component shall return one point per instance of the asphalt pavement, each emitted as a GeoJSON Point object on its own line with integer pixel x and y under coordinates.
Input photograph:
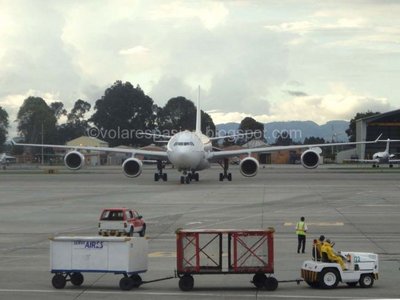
{"type": "Point", "coordinates": [357, 207]}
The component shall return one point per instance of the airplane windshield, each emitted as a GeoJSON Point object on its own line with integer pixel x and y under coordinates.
{"type": "Point", "coordinates": [183, 144]}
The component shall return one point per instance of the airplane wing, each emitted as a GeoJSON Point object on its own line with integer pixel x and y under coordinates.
{"type": "Point", "coordinates": [230, 153]}
{"type": "Point", "coordinates": [367, 161]}
{"type": "Point", "coordinates": [394, 161]}
{"type": "Point", "coordinates": [147, 153]}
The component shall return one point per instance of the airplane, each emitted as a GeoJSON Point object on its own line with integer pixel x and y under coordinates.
{"type": "Point", "coordinates": [190, 152]}
{"type": "Point", "coordinates": [5, 160]}
{"type": "Point", "coordinates": [383, 157]}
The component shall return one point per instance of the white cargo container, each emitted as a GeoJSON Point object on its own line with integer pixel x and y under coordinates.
{"type": "Point", "coordinates": [70, 256]}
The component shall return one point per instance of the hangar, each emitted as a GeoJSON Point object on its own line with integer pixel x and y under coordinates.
{"type": "Point", "coordinates": [367, 129]}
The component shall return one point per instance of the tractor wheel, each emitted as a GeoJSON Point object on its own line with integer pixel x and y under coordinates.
{"type": "Point", "coordinates": [366, 280]}
{"type": "Point", "coordinates": [328, 279]}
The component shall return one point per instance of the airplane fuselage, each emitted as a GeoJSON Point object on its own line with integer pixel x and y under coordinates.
{"type": "Point", "coordinates": [187, 151]}
{"type": "Point", "coordinates": [382, 157]}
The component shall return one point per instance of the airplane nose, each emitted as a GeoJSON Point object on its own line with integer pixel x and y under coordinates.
{"type": "Point", "coordinates": [186, 160]}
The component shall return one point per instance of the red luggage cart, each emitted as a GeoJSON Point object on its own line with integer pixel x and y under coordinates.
{"type": "Point", "coordinates": [248, 252]}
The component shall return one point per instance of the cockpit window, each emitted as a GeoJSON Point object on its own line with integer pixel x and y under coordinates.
{"type": "Point", "coordinates": [183, 144]}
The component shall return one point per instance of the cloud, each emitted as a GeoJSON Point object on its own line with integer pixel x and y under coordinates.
{"type": "Point", "coordinates": [210, 13]}
{"type": "Point", "coordinates": [137, 50]}
{"type": "Point", "coordinates": [340, 104]}
{"type": "Point", "coordinates": [250, 58]}
{"type": "Point", "coordinates": [297, 93]}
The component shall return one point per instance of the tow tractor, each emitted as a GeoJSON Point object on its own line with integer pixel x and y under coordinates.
{"type": "Point", "coordinates": [361, 268]}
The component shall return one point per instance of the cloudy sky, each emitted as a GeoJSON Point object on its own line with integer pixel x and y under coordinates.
{"type": "Point", "coordinates": [273, 60]}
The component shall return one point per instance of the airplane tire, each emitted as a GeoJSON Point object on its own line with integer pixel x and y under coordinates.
{"type": "Point", "coordinates": [221, 177]}
{"type": "Point", "coordinates": [165, 177]}
{"type": "Point", "coordinates": [156, 177]}
{"type": "Point", "coordinates": [229, 176]}
{"type": "Point", "coordinates": [182, 179]}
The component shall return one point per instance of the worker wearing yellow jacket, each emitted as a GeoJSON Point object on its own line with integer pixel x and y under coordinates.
{"type": "Point", "coordinates": [330, 253]}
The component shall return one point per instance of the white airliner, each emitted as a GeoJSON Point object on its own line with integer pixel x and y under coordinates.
{"type": "Point", "coordinates": [190, 152]}
{"type": "Point", "coordinates": [380, 157]}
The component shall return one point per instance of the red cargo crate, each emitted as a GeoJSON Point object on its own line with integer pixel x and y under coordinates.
{"type": "Point", "coordinates": [204, 251]}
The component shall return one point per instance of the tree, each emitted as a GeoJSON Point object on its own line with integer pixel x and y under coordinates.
{"type": "Point", "coordinates": [249, 125]}
{"type": "Point", "coordinates": [76, 124]}
{"type": "Point", "coordinates": [3, 127]}
{"type": "Point", "coordinates": [58, 109]}
{"type": "Point", "coordinates": [351, 131]}
{"type": "Point", "coordinates": [122, 111]}
{"type": "Point", "coordinates": [283, 139]}
{"type": "Point", "coordinates": [35, 118]}
{"type": "Point", "coordinates": [180, 114]}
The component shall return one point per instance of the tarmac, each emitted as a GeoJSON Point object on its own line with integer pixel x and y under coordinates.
{"type": "Point", "coordinates": [357, 207]}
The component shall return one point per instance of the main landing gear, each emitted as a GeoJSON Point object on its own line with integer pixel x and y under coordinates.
{"type": "Point", "coordinates": [160, 174]}
{"type": "Point", "coordinates": [188, 177]}
{"type": "Point", "coordinates": [224, 175]}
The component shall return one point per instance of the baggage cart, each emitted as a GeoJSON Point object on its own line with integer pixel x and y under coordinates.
{"type": "Point", "coordinates": [70, 256]}
{"type": "Point", "coordinates": [248, 252]}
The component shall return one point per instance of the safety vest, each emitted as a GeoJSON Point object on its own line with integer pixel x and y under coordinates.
{"type": "Point", "coordinates": [301, 228]}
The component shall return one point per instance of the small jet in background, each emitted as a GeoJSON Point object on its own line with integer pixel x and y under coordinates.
{"type": "Point", "coordinates": [378, 158]}
{"type": "Point", "coordinates": [5, 160]}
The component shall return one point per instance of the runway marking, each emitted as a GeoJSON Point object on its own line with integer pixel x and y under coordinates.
{"type": "Point", "coordinates": [317, 224]}
{"type": "Point", "coordinates": [182, 294]}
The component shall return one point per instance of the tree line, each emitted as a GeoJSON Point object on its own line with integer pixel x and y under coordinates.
{"type": "Point", "coordinates": [122, 106]}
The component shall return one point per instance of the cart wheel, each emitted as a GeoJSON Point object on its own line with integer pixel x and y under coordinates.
{"type": "Point", "coordinates": [271, 283]}
{"type": "Point", "coordinates": [77, 279]}
{"type": "Point", "coordinates": [137, 280]}
{"type": "Point", "coordinates": [126, 283]}
{"type": "Point", "coordinates": [328, 279]}
{"type": "Point", "coordinates": [186, 283]}
{"type": "Point", "coordinates": [259, 279]}
{"type": "Point", "coordinates": [366, 280]}
{"type": "Point", "coordinates": [58, 281]}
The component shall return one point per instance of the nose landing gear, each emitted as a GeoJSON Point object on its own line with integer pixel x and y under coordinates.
{"type": "Point", "coordinates": [188, 177]}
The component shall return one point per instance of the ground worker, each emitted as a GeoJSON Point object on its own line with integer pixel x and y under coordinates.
{"type": "Point", "coordinates": [301, 229]}
{"type": "Point", "coordinates": [317, 247]}
{"type": "Point", "coordinates": [331, 255]}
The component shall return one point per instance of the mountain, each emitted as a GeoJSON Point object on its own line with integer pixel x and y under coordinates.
{"type": "Point", "coordinates": [297, 130]}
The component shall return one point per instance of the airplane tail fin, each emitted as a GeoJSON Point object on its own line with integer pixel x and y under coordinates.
{"type": "Point", "coordinates": [198, 114]}
{"type": "Point", "coordinates": [387, 145]}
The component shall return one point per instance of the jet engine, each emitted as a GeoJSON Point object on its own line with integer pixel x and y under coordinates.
{"type": "Point", "coordinates": [74, 160]}
{"type": "Point", "coordinates": [310, 158]}
{"type": "Point", "coordinates": [132, 167]}
{"type": "Point", "coordinates": [249, 166]}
